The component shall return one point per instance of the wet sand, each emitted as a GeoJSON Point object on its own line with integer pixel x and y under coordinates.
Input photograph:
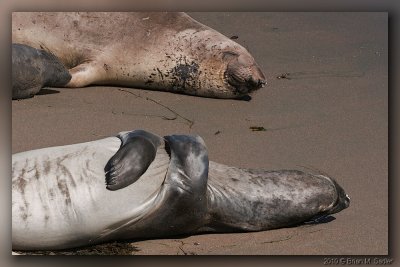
{"type": "Point", "coordinates": [325, 107]}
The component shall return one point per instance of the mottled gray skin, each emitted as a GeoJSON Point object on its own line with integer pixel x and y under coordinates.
{"type": "Point", "coordinates": [33, 69]}
{"type": "Point", "coordinates": [159, 51]}
{"type": "Point", "coordinates": [60, 199]}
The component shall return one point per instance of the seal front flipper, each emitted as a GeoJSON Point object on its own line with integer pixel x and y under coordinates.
{"type": "Point", "coordinates": [180, 204]}
{"type": "Point", "coordinates": [136, 153]}
{"type": "Point", "coordinates": [84, 74]}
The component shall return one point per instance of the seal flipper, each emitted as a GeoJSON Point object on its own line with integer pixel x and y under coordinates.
{"type": "Point", "coordinates": [181, 204]}
{"type": "Point", "coordinates": [183, 194]}
{"type": "Point", "coordinates": [189, 163]}
{"type": "Point", "coordinates": [136, 153]}
{"type": "Point", "coordinates": [84, 74]}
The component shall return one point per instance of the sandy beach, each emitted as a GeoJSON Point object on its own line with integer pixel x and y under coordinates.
{"type": "Point", "coordinates": [325, 107]}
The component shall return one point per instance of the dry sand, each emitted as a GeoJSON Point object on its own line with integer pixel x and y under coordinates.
{"type": "Point", "coordinates": [328, 110]}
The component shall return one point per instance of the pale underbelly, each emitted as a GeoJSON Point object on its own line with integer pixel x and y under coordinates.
{"type": "Point", "coordinates": [59, 193]}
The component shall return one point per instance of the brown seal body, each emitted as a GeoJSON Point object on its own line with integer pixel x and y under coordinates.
{"type": "Point", "coordinates": [160, 51]}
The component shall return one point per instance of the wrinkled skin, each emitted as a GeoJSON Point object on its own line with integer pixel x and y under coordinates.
{"type": "Point", "coordinates": [159, 51]}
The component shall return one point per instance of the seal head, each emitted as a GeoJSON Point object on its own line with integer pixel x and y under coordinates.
{"type": "Point", "coordinates": [341, 202]}
{"type": "Point", "coordinates": [213, 66]}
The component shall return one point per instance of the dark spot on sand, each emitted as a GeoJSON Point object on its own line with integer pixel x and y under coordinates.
{"type": "Point", "coordinates": [257, 129]}
{"type": "Point", "coordinates": [284, 76]}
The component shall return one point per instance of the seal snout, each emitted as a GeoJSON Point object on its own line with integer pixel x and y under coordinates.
{"type": "Point", "coordinates": [243, 73]}
{"type": "Point", "coordinates": [256, 79]}
{"type": "Point", "coordinates": [342, 199]}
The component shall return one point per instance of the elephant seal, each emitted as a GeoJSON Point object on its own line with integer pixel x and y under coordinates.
{"type": "Point", "coordinates": [159, 51]}
{"type": "Point", "coordinates": [33, 69]}
{"type": "Point", "coordinates": [138, 185]}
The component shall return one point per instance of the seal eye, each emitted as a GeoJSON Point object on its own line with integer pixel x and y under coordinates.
{"type": "Point", "coordinates": [226, 55]}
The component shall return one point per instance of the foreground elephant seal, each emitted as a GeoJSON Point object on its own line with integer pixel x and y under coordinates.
{"type": "Point", "coordinates": [138, 185]}
{"type": "Point", "coordinates": [161, 51]}
{"type": "Point", "coordinates": [33, 69]}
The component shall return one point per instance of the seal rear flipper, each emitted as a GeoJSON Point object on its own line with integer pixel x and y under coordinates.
{"type": "Point", "coordinates": [136, 153]}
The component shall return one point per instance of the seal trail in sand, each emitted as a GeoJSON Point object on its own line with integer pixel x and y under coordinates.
{"type": "Point", "coordinates": [60, 200]}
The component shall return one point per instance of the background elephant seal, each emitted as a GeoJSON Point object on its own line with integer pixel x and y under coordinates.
{"type": "Point", "coordinates": [155, 187]}
{"type": "Point", "coordinates": [33, 69]}
{"type": "Point", "coordinates": [161, 51]}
